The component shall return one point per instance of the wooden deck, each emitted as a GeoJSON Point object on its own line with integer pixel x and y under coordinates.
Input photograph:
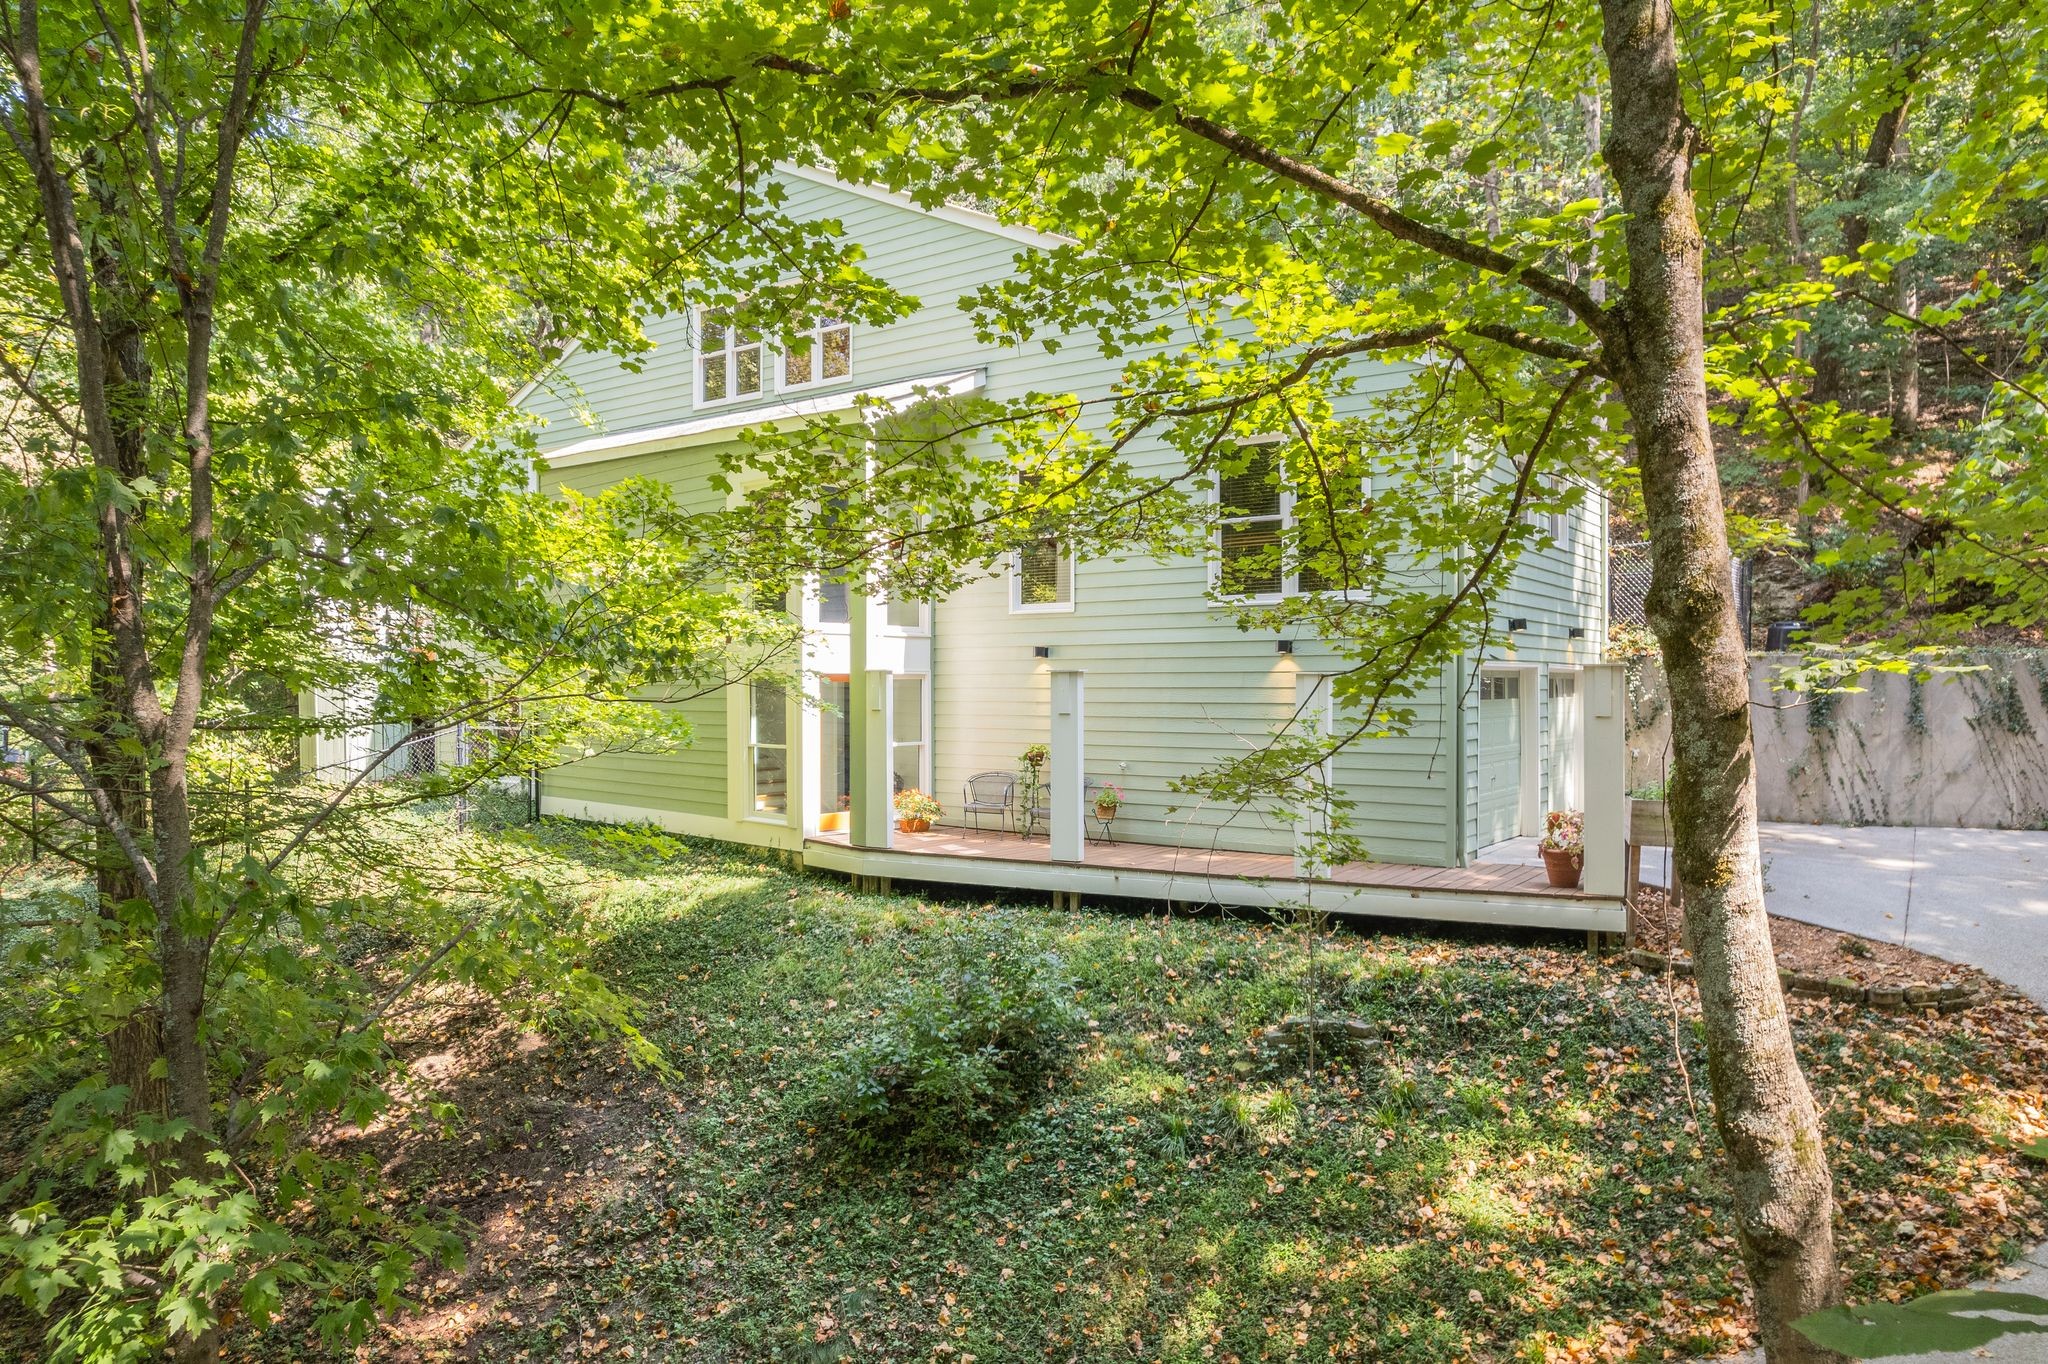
{"type": "Point", "coordinates": [1486, 892]}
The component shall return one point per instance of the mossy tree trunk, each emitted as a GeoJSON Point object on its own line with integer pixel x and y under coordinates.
{"type": "Point", "coordinates": [1764, 1112]}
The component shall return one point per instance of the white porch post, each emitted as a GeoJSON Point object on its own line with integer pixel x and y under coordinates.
{"type": "Point", "coordinates": [1069, 831]}
{"type": "Point", "coordinates": [873, 817]}
{"type": "Point", "coordinates": [1312, 718]}
{"type": "Point", "coordinates": [1606, 778]}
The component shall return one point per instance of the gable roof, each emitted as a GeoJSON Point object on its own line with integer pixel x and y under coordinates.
{"type": "Point", "coordinates": [946, 213]}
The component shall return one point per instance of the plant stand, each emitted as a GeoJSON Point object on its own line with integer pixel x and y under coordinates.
{"type": "Point", "coordinates": [1105, 821]}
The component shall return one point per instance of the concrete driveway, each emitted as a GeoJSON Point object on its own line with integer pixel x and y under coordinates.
{"type": "Point", "coordinates": [1976, 896]}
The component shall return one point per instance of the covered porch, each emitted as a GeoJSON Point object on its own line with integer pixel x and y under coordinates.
{"type": "Point", "coordinates": [1070, 863]}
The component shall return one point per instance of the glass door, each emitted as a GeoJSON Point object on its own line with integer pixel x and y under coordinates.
{"type": "Point", "coordinates": [835, 753]}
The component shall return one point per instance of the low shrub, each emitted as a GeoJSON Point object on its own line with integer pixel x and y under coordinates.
{"type": "Point", "coordinates": [955, 1048]}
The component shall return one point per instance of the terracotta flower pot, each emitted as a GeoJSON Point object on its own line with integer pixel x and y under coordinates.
{"type": "Point", "coordinates": [1563, 868]}
{"type": "Point", "coordinates": [913, 826]}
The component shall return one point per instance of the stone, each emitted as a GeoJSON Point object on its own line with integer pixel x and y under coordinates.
{"type": "Point", "coordinates": [1887, 997]}
{"type": "Point", "coordinates": [1846, 990]}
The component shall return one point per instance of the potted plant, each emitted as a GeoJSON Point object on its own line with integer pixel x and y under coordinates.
{"type": "Point", "coordinates": [1035, 758]}
{"type": "Point", "coordinates": [1564, 847]}
{"type": "Point", "coordinates": [915, 810]}
{"type": "Point", "coordinates": [1107, 801]}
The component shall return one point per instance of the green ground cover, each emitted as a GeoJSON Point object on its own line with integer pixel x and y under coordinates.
{"type": "Point", "coordinates": [1520, 1166]}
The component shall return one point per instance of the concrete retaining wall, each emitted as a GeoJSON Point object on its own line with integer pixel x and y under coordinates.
{"type": "Point", "coordinates": [1959, 750]}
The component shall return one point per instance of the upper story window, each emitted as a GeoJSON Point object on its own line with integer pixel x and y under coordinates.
{"type": "Point", "coordinates": [1557, 524]}
{"type": "Point", "coordinates": [1042, 572]}
{"type": "Point", "coordinates": [729, 360]}
{"type": "Point", "coordinates": [1261, 532]}
{"type": "Point", "coordinates": [819, 354]}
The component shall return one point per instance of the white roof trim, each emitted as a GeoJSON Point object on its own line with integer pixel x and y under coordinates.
{"type": "Point", "coordinates": [526, 389]}
{"type": "Point", "coordinates": [965, 217]}
{"type": "Point", "coordinates": [723, 424]}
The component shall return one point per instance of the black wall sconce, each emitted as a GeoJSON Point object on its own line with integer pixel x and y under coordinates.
{"type": "Point", "coordinates": [1576, 632]}
{"type": "Point", "coordinates": [1517, 624]}
{"type": "Point", "coordinates": [1041, 651]}
{"type": "Point", "coordinates": [1283, 646]}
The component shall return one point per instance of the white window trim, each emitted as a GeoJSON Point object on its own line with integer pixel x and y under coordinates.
{"type": "Point", "coordinates": [814, 607]}
{"type": "Point", "coordinates": [731, 352]}
{"type": "Point", "coordinates": [924, 619]}
{"type": "Point", "coordinates": [1290, 580]}
{"type": "Point", "coordinates": [924, 761]}
{"type": "Point", "coordinates": [1020, 607]}
{"type": "Point", "coordinates": [816, 334]}
{"type": "Point", "coordinates": [749, 789]}
{"type": "Point", "coordinates": [1556, 524]}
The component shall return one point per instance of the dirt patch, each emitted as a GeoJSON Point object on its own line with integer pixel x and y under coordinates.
{"type": "Point", "coordinates": [1823, 952]}
{"type": "Point", "coordinates": [552, 1138]}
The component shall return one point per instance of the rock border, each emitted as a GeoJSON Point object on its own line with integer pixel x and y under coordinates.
{"type": "Point", "coordinates": [1944, 998]}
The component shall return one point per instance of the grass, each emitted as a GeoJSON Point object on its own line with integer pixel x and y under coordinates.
{"type": "Point", "coordinates": [1522, 1168]}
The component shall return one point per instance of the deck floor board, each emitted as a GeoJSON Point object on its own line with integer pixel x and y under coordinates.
{"type": "Point", "coordinates": [991, 845]}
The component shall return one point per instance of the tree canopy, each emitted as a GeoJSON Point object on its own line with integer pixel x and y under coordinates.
{"type": "Point", "coordinates": [278, 274]}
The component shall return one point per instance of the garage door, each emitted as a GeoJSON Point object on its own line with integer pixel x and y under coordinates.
{"type": "Point", "coordinates": [1500, 757]}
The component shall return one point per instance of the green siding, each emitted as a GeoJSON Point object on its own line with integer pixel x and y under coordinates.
{"type": "Point", "coordinates": [1172, 685]}
{"type": "Point", "coordinates": [689, 780]}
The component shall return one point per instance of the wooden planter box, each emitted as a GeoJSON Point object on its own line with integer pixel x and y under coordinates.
{"type": "Point", "coordinates": [1649, 824]}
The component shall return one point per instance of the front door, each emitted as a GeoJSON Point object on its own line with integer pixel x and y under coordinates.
{"type": "Point", "coordinates": [1500, 757]}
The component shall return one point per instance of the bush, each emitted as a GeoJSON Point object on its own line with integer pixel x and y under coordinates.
{"type": "Point", "coordinates": [955, 1048]}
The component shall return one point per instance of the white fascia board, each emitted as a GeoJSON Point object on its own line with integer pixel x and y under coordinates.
{"type": "Point", "coordinates": [947, 213]}
{"type": "Point", "coordinates": [721, 425]}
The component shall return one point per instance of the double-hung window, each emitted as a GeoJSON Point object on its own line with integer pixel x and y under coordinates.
{"type": "Point", "coordinates": [906, 732]}
{"type": "Point", "coordinates": [768, 749]}
{"type": "Point", "coordinates": [1556, 524]}
{"type": "Point", "coordinates": [728, 359]}
{"type": "Point", "coordinates": [1261, 537]}
{"type": "Point", "coordinates": [819, 354]}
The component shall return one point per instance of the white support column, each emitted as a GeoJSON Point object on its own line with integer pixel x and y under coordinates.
{"type": "Point", "coordinates": [1606, 777]}
{"type": "Point", "coordinates": [1312, 719]}
{"type": "Point", "coordinates": [873, 818]}
{"type": "Point", "coordinates": [873, 824]}
{"type": "Point", "coordinates": [1069, 760]}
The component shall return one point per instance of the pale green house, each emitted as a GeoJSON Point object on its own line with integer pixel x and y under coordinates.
{"type": "Point", "coordinates": [1127, 669]}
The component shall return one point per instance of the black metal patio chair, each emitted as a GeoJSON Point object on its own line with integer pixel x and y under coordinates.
{"type": "Point", "coordinates": [990, 793]}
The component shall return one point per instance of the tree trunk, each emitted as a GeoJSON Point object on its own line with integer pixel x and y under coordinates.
{"type": "Point", "coordinates": [135, 1045]}
{"type": "Point", "coordinates": [1830, 355]}
{"type": "Point", "coordinates": [1764, 1112]}
{"type": "Point", "coordinates": [1906, 392]}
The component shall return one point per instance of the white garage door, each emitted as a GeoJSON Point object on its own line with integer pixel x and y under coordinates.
{"type": "Point", "coordinates": [1500, 757]}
